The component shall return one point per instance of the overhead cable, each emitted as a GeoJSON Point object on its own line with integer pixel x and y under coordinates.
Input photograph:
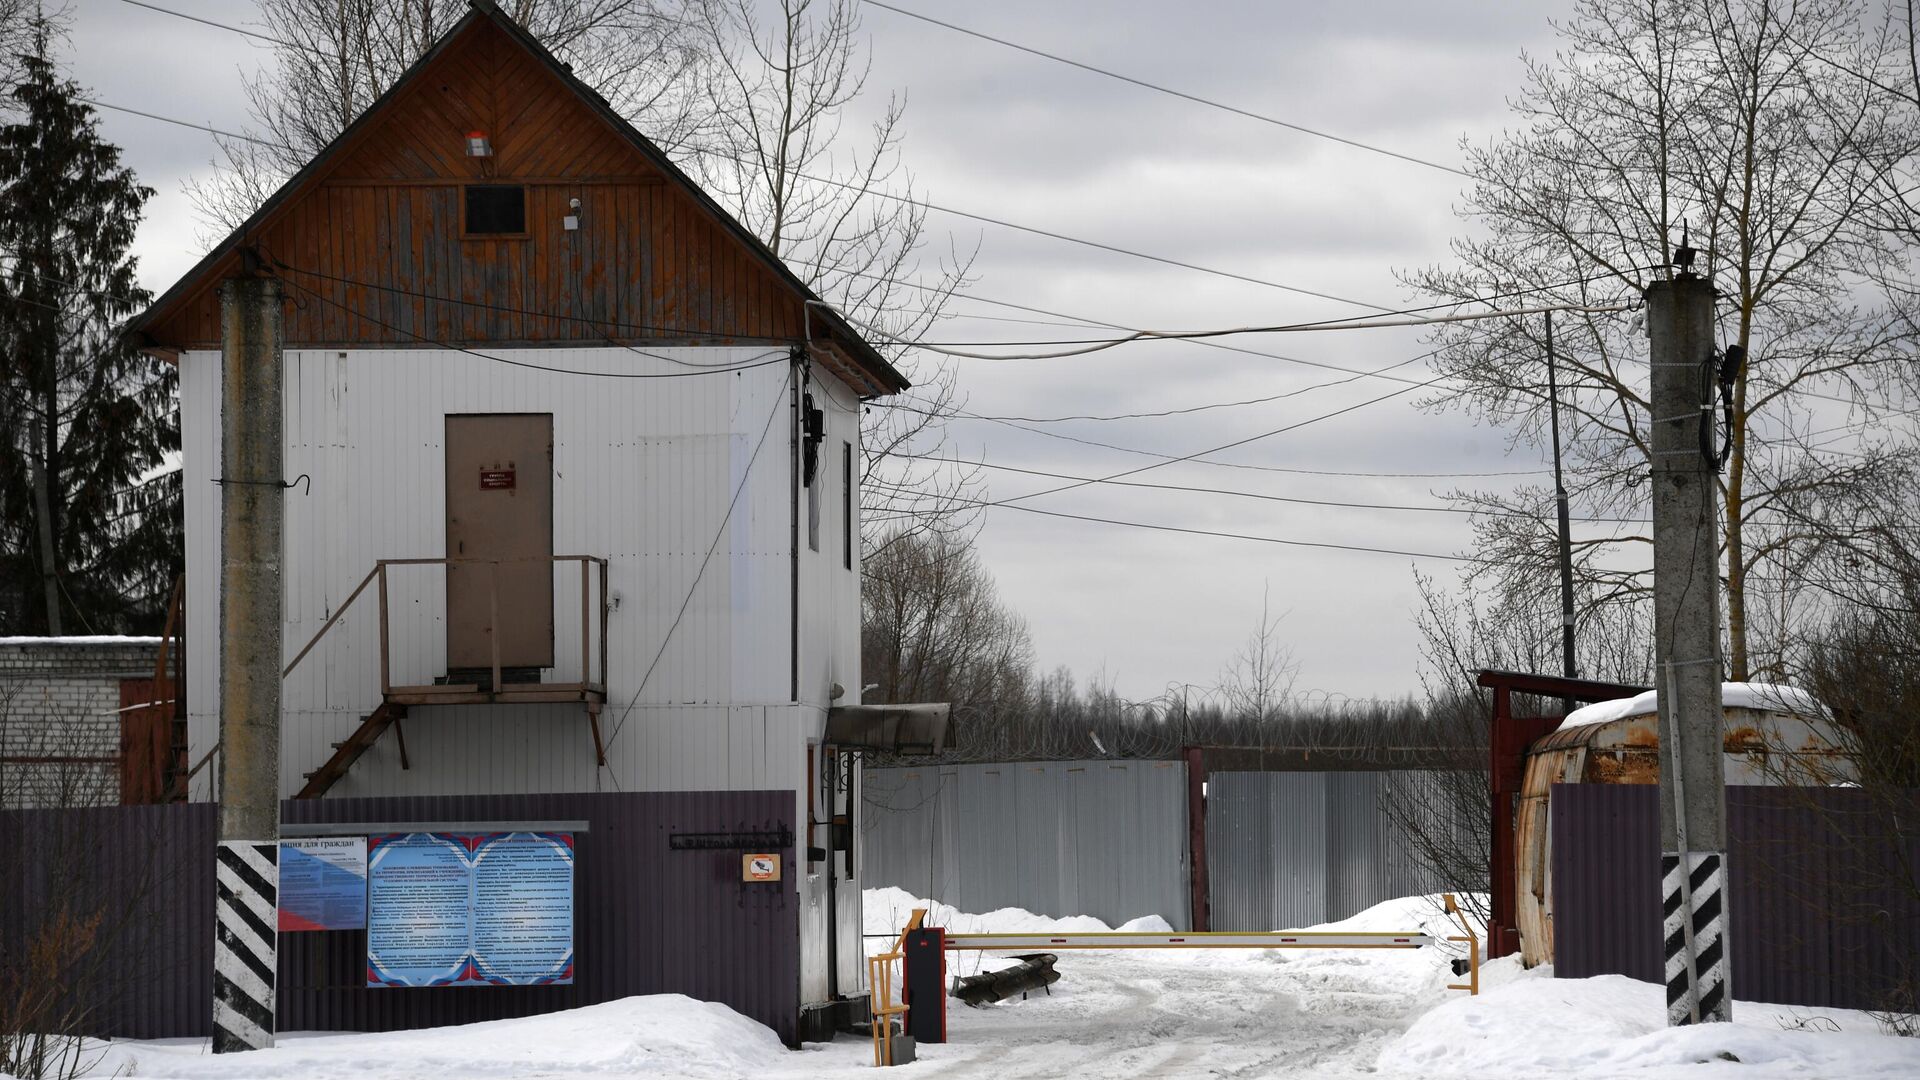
{"type": "Point", "coordinates": [1102, 344]}
{"type": "Point", "coordinates": [864, 190]}
{"type": "Point", "coordinates": [1169, 458]}
{"type": "Point", "coordinates": [776, 356]}
{"type": "Point", "coordinates": [1183, 95]}
{"type": "Point", "coordinates": [1198, 532]}
{"type": "Point", "coordinates": [1261, 496]}
{"type": "Point", "coordinates": [1297, 425]}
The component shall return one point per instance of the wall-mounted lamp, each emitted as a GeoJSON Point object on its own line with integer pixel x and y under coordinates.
{"type": "Point", "coordinates": [478, 144]}
{"type": "Point", "coordinates": [572, 220]}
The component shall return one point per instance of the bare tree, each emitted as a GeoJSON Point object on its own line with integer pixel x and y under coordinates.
{"type": "Point", "coordinates": [934, 629]}
{"type": "Point", "coordinates": [334, 58]}
{"type": "Point", "coordinates": [1260, 680]}
{"type": "Point", "coordinates": [840, 209]}
{"type": "Point", "coordinates": [1746, 126]}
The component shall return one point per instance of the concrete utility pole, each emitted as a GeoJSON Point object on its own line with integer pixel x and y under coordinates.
{"type": "Point", "coordinates": [1686, 608]}
{"type": "Point", "coordinates": [246, 867]}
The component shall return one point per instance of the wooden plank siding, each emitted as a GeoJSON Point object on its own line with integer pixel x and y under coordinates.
{"type": "Point", "coordinates": [373, 251]}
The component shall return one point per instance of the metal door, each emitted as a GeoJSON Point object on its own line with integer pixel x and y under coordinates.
{"type": "Point", "coordinates": [500, 508]}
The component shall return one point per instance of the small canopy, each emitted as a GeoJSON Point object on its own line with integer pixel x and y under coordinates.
{"type": "Point", "coordinates": [896, 729]}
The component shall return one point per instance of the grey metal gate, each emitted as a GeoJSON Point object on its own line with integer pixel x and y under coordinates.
{"type": "Point", "coordinates": [1292, 849]}
{"type": "Point", "coordinates": [1101, 838]}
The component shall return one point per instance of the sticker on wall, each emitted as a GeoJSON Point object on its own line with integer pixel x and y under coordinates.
{"type": "Point", "coordinates": [470, 909]}
{"type": "Point", "coordinates": [763, 867]}
{"type": "Point", "coordinates": [323, 883]}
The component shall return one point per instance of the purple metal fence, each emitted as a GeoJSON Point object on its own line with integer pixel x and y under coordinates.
{"type": "Point", "coordinates": [1819, 915]}
{"type": "Point", "coordinates": [648, 918]}
{"type": "Point", "coordinates": [142, 877]}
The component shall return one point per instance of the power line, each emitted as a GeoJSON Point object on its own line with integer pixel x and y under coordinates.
{"type": "Point", "coordinates": [1261, 495]}
{"type": "Point", "coordinates": [763, 360]}
{"type": "Point", "coordinates": [316, 50]}
{"type": "Point", "coordinates": [1196, 532]}
{"type": "Point", "coordinates": [1183, 95]}
{"type": "Point", "coordinates": [1225, 446]}
{"type": "Point", "coordinates": [1188, 410]}
{"type": "Point", "coordinates": [863, 190]}
{"type": "Point", "coordinates": [675, 332]}
{"type": "Point", "coordinates": [1237, 464]}
{"type": "Point", "coordinates": [1093, 345]}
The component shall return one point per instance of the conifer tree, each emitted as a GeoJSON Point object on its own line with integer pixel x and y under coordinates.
{"type": "Point", "coordinates": [90, 521]}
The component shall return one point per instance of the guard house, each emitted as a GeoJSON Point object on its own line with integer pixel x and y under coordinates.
{"type": "Point", "coordinates": [572, 515]}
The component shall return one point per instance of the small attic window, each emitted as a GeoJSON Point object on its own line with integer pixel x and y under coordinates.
{"type": "Point", "coordinates": [496, 210]}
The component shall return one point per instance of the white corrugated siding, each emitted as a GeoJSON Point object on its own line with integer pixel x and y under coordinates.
{"type": "Point", "coordinates": [644, 470]}
{"type": "Point", "coordinates": [830, 654]}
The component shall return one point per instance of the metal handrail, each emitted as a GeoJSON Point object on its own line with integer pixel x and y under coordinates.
{"type": "Point", "coordinates": [379, 573]}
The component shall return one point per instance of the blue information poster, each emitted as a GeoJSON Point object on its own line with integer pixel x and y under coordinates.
{"type": "Point", "coordinates": [323, 883]}
{"type": "Point", "coordinates": [491, 909]}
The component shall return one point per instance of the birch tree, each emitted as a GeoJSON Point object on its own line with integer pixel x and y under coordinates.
{"type": "Point", "coordinates": [1745, 127]}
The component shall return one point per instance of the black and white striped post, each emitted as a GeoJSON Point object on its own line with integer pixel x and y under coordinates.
{"type": "Point", "coordinates": [246, 863]}
{"type": "Point", "coordinates": [245, 943]}
{"type": "Point", "coordinates": [1695, 933]}
{"type": "Point", "coordinates": [1686, 608]}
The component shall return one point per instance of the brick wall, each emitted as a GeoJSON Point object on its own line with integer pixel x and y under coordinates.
{"type": "Point", "coordinates": [60, 698]}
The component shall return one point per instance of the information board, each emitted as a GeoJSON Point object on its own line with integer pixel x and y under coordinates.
{"type": "Point", "coordinates": [323, 883]}
{"type": "Point", "coordinates": [485, 909]}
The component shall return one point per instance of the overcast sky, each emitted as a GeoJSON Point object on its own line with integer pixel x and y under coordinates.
{"type": "Point", "coordinates": [1011, 135]}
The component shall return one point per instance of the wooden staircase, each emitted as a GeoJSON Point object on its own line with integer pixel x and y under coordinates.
{"type": "Point", "coordinates": [345, 753]}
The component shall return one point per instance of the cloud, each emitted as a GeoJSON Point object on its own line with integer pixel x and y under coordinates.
{"type": "Point", "coordinates": [1015, 136]}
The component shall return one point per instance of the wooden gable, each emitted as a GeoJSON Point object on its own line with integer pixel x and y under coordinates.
{"type": "Point", "coordinates": [372, 249]}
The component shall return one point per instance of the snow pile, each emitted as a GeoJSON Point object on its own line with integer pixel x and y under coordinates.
{"type": "Point", "coordinates": [1425, 914]}
{"type": "Point", "coordinates": [1768, 697]}
{"type": "Point", "coordinates": [1528, 1024]}
{"type": "Point", "coordinates": [888, 909]}
{"type": "Point", "coordinates": [664, 1035]}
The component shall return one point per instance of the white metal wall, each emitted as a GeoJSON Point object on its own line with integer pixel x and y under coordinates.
{"type": "Point", "coordinates": [830, 654]}
{"type": "Point", "coordinates": [644, 471]}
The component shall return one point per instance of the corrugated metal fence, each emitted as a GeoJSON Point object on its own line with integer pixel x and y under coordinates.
{"type": "Point", "coordinates": [648, 919]}
{"type": "Point", "coordinates": [1101, 838]}
{"type": "Point", "coordinates": [1819, 914]}
{"type": "Point", "coordinates": [1108, 838]}
{"type": "Point", "coordinates": [1292, 849]}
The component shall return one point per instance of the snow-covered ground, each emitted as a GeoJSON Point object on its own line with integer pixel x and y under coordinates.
{"type": "Point", "coordinates": [1138, 1013]}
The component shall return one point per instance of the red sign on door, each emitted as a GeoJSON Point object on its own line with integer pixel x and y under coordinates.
{"type": "Point", "coordinates": [496, 479]}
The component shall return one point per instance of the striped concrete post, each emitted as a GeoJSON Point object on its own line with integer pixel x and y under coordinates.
{"type": "Point", "coordinates": [245, 939]}
{"type": "Point", "coordinates": [1694, 904]}
{"type": "Point", "coordinates": [246, 865]}
{"type": "Point", "coordinates": [1686, 646]}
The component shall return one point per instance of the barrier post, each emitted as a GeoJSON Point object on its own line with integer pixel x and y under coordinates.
{"type": "Point", "coordinates": [1472, 985]}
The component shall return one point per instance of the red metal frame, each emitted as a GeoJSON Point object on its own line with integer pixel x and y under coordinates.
{"type": "Point", "coordinates": [1507, 741]}
{"type": "Point", "coordinates": [1197, 836]}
